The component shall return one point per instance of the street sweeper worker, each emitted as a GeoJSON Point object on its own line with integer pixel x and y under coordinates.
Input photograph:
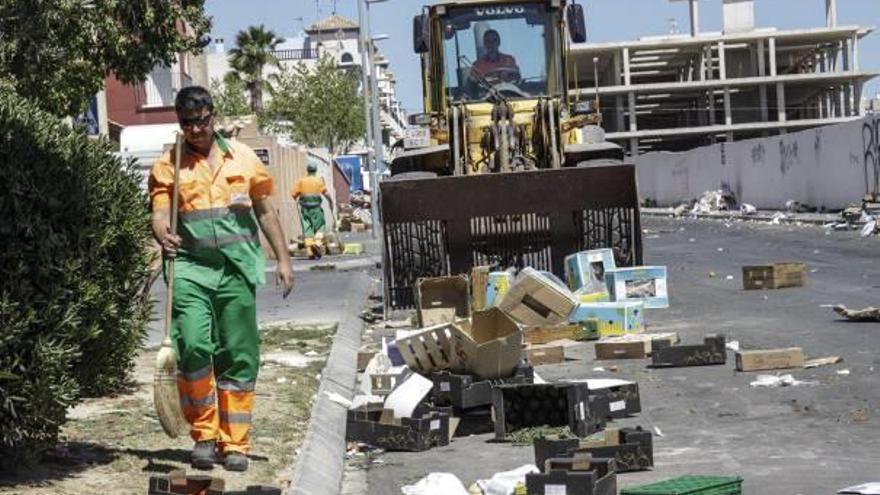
{"type": "Point", "coordinates": [223, 200]}
{"type": "Point", "coordinates": [308, 192]}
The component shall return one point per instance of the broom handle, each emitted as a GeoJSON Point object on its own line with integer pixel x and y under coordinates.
{"type": "Point", "coordinates": [169, 297]}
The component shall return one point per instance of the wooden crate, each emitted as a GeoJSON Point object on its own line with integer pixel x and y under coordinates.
{"type": "Point", "coordinates": [774, 276]}
{"type": "Point", "coordinates": [428, 349]}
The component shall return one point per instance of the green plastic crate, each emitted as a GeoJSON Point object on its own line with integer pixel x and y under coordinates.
{"type": "Point", "coordinates": [690, 485]}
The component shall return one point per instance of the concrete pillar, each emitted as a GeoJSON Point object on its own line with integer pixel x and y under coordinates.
{"type": "Point", "coordinates": [841, 95]}
{"type": "Point", "coordinates": [627, 79]}
{"type": "Point", "coordinates": [851, 100]}
{"type": "Point", "coordinates": [722, 62]}
{"type": "Point", "coordinates": [857, 94]}
{"type": "Point", "coordinates": [634, 147]}
{"type": "Point", "coordinates": [695, 17]}
{"type": "Point", "coordinates": [633, 124]}
{"type": "Point", "coordinates": [831, 13]}
{"type": "Point", "coordinates": [780, 101]}
{"type": "Point", "coordinates": [728, 137]}
{"type": "Point", "coordinates": [728, 115]}
{"type": "Point", "coordinates": [711, 107]}
{"type": "Point", "coordinates": [844, 52]}
{"type": "Point", "coordinates": [855, 52]}
{"type": "Point", "coordinates": [762, 89]}
{"type": "Point", "coordinates": [772, 48]}
{"type": "Point", "coordinates": [820, 102]}
{"type": "Point", "coordinates": [616, 64]}
{"type": "Point", "coordinates": [618, 103]}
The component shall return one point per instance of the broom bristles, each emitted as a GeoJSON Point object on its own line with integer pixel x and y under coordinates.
{"type": "Point", "coordinates": [166, 397]}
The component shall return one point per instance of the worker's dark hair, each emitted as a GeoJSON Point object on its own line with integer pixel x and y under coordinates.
{"type": "Point", "coordinates": [193, 98]}
{"type": "Point", "coordinates": [492, 31]}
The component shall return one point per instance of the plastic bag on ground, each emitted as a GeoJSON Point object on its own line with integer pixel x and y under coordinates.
{"type": "Point", "coordinates": [505, 483]}
{"type": "Point", "coordinates": [436, 484]}
{"type": "Point", "coordinates": [747, 209]}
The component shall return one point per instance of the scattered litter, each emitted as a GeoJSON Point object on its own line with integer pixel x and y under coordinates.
{"type": "Point", "coordinates": [599, 370]}
{"type": "Point", "coordinates": [866, 314]}
{"type": "Point", "coordinates": [843, 372]}
{"type": "Point", "coordinates": [658, 432]}
{"type": "Point", "coordinates": [747, 209]}
{"type": "Point", "coordinates": [335, 397]}
{"type": "Point", "coordinates": [435, 484]}
{"type": "Point", "coordinates": [732, 345]}
{"type": "Point", "coordinates": [721, 250]}
{"type": "Point", "coordinates": [311, 354]}
{"type": "Point", "coordinates": [774, 381]}
{"type": "Point", "coordinates": [729, 277]}
{"type": "Point", "coordinates": [692, 240]}
{"type": "Point", "coordinates": [290, 359]}
{"type": "Point", "coordinates": [282, 379]}
{"type": "Point", "coordinates": [537, 379]}
{"type": "Point", "coordinates": [406, 397]}
{"type": "Point", "coordinates": [777, 218]}
{"type": "Point", "coordinates": [816, 251]}
{"type": "Point", "coordinates": [505, 483]}
{"type": "Point", "coordinates": [865, 489]}
{"type": "Point", "coordinates": [712, 274]}
{"type": "Point", "coordinates": [860, 415]}
{"type": "Point", "coordinates": [527, 435]}
{"type": "Point", "coordinates": [711, 201]}
{"type": "Point", "coordinates": [815, 363]}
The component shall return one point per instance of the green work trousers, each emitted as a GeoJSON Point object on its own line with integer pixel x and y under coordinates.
{"type": "Point", "coordinates": [312, 220]}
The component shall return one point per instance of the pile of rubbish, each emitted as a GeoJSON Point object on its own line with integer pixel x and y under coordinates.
{"type": "Point", "coordinates": [355, 216]}
{"type": "Point", "coordinates": [863, 216]}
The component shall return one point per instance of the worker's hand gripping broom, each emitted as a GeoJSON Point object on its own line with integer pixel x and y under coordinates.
{"type": "Point", "coordinates": [165, 394]}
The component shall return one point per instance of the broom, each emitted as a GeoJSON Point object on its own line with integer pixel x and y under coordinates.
{"type": "Point", "coordinates": [165, 394]}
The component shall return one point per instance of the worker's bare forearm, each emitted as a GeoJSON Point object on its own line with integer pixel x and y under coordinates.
{"type": "Point", "coordinates": [272, 229]}
{"type": "Point", "coordinates": [161, 220]}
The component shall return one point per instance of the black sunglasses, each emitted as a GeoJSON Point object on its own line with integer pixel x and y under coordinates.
{"type": "Point", "coordinates": [196, 121]}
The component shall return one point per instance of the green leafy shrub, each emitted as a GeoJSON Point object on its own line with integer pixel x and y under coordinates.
{"type": "Point", "coordinates": [74, 265]}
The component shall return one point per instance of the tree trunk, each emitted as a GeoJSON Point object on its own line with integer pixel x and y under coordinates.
{"type": "Point", "coordinates": [258, 91]}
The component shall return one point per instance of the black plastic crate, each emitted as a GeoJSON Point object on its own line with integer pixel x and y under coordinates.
{"type": "Point", "coordinates": [711, 352]}
{"type": "Point", "coordinates": [422, 432]}
{"type": "Point", "coordinates": [634, 450]}
{"type": "Point", "coordinates": [520, 406]}
{"type": "Point", "coordinates": [464, 391]}
{"type": "Point", "coordinates": [599, 478]}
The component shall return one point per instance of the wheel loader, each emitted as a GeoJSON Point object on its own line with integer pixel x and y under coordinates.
{"type": "Point", "coordinates": [507, 166]}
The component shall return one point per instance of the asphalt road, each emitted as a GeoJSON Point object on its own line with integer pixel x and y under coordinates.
{"type": "Point", "coordinates": [812, 439]}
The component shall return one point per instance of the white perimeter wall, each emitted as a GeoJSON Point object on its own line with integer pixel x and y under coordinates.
{"type": "Point", "coordinates": [824, 167]}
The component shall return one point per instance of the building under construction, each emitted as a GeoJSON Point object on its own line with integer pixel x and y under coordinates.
{"type": "Point", "coordinates": [680, 91]}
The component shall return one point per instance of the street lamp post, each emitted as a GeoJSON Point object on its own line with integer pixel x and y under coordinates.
{"type": "Point", "coordinates": [364, 44]}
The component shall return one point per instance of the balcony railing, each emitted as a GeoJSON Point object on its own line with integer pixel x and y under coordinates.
{"type": "Point", "coordinates": [161, 87]}
{"type": "Point", "coordinates": [296, 54]}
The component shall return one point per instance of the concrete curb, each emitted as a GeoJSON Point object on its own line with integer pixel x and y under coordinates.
{"type": "Point", "coordinates": [812, 219]}
{"type": "Point", "coordinates": [321, 461]}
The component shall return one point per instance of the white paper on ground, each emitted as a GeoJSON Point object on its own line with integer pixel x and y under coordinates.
{"type": "Point", "coordinates": [436, 484]}
{"type": "Point", "coordinates": [404, 399]}
{"type": "Point", "coordinates": [536, 378]}
{"type": "Point", "coordinates": [505, 483]}
{"type": "Point", "coordinates": [342, 401]}
{"type": "Point", "coordinates": [778, 381]}
{"type": "Point", "coordinates": [866, 489]}
{"type": "Point", "coordinates": [600, 383]}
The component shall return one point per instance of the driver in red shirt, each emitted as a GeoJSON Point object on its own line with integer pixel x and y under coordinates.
{"type": "Point", "coordinates": [493, 61]}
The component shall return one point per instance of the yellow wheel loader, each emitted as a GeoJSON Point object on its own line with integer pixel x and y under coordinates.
{"type": "Point", "coordinates": [505, 166]}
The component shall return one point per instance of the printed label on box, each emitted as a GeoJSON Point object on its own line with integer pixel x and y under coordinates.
{"type": "Point", "coordinates": [435, 424]}
{"type": "Point", "coordinates": [618, 406]}
{"type": "Point", "coordinates": [555, 490]}
{"type": "Point", "coordinates": [581, 412]}
{"type": "Point", "coordinates": [444, 387]}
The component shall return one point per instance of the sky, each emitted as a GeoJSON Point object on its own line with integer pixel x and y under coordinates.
{"type": "Point", "coordinates": [607, 20]}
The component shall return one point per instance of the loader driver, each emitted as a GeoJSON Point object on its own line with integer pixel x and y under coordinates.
{"type": "Point", "coordinates": [493, 64]}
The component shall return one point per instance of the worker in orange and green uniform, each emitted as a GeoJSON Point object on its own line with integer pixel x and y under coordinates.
{"type": "Point", "coordinates": [309, 191]}
{"type": "Point", "coordinates": [223, 199]}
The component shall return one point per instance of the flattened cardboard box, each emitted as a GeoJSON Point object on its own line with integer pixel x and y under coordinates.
{"type": "Point", "coordinates": [632, 346]}
{"type": "Point", "coordinates": [535, 299]}
{"type": "Point", "coordinates": [612, 318]}
{"type": "Point", "coordinates": [442, 300]}
{"type": "Point", "coordinates": [647, 283]}
{"type": "Point", "coordinates": [770, 359]}
{"type": "Point", "coordinates": [585, 273]}
{"type": "Point", "coordinates": [488, 345]}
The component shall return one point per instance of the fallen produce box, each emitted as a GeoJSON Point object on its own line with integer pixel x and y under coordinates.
{"type": "Point", "coordinates": [585, 273]}
{"type": "Point", "coordinates": [771, 359]}
{"type": "Point", "coordinates": [442, 300]}
{"type": "Point", "coordinates": [428, 349]}
{"type": "Point", "coordinates": [464, 391]}
{"type": "Point", "coordinates": [545, 335]}
{"type": "Point", "coordinates": [623, 396]}
{"type": "Point", "coordinates": [612, 318]}
{"type": "Point", "coordinates": [631, 346]}
{"type": "Point", "coordinates": [774, 276]}
{"type": "Point", "coordinates": [711, 352]}
{"type": "Point", "coordinates": [479, 283]}
{"type": "Point", "coordinates": [411, 434]}
{"type": "Point", "coordinates": [519, 406]}
{"type": "Point", "coordinates": [631, 448]}
{"type": "Point", "coordinates": [178, 482]}
{"type": "Point", "coordinates": [536, 299]}
{"type": "Point", "coordinates": [539, 355]}
{"type": "Point", "coordinates": [353, 248]}
{"type": "Point", "coordinates": [488, 345]}
{"type": "Point", "coordinates": [497, 286]}
{"type": "Point", "coordinates": [690, 485]}
{"type": "Point", "coordinates": [384, 383]}
{"type": "Point", "coordinates": [475, 421]}
{"type": "Point", "coordinates": [647, 283]}
{"type": "Point", "coordinates": [581, 475]}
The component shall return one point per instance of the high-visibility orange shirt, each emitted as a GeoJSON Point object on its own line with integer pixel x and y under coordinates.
{"type": "Point", "coordinates": [310, 184]}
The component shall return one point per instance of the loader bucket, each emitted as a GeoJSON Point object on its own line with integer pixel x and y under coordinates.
{"type": "Point", "coordinates": [447, 225]}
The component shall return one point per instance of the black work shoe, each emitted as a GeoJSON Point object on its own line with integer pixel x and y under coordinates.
{"type": "Point", "coordinates": [235, 461]}
{"type": "Point", "coordinates": [203, 456]}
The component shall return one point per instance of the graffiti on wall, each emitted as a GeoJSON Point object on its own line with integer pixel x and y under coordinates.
{"type": "Point", "coordinates": [788, 155]}
{"type": "Point", "coordinates": [871, 154]}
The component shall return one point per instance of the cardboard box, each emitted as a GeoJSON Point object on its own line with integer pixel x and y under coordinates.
{"type": "Point", "coordinates": [442, 300]}
{"type": "Point", "coordinates": [647, 283]}
{"type": "Point", "coordinates": [519, 406]}
{"type": "Point", "coordinates": [488, 345]}
{"type": "Point", "coordinates": [581, 475]}
{"type": "Point", "coordinates": [612, 318]}
{"type": "Point", "coordinates": [466, 391]}
{"type": "Point", "coordinates": [585, 273]}
{"type": "Point", "coordinates": [771, 359]}
{"type": "Point", "coordinates": [631, 346]}
{"type": "Point", "coordinates": [711, 352]}
{"type": "Point", "coordinates": [539, 355]}
{"type": "Point", "coordinates": [497, 286]}
{"type": "Point", "coordinates": [631, 448]}
{"type": "Point", "coordinates": [479, 282]}
{"type": "Point", "coordinates": [363, 359]}
{"type": "Point", "coordinates": [774, 276]}
{"type": "Point", "coordinates": [411, 434]}
{"type": "Point", "coordinates": [428, 349]}
{"type": "Point", "coordinates": [535, 299]}
{"type": "Point", "coordinates": [624, 399]}
{"type": "Point", "coordinates": [545, 335]}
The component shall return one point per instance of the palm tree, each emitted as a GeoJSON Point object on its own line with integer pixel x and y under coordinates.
{"type": "Point", "coordinates": [254, 51]}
